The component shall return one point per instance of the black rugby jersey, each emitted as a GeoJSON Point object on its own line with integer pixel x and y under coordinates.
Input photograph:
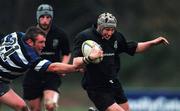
{"type": "Point", "coordinates": [57, 44]}
{"type": "Point", "coordinates": [16, 57]}
{"type": "Point", "coordinates": [98, 75]}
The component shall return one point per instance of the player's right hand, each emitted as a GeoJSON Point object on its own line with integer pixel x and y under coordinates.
{"type": "Point", "coordinates": [96, 53]}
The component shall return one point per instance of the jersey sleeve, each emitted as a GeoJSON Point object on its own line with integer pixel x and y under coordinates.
{"type": "Point", "coordinates": [41, 65]}
{"type": "Point", "coordinates": [124, 46]}
{"type": "Point", "coordinates": [131, 48]}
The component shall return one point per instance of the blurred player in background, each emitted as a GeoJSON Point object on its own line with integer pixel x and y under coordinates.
{"type": "Point", "coordinates": [101, 80]}
{"type": "Point", "coordinates": [37, 86]}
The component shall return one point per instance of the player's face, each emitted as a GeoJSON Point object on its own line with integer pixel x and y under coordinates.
{"type": "Point", "coordinates": [107, 33]}
{"type": "Point", "coordinates": [39, 43]}
{"type": "Point", "coordinates": [45, 22]}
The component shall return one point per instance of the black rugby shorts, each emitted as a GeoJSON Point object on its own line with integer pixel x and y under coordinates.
{"type": "Point", "coordinates": [102, 99]}
{"type": "Point", "coordinates": [4, 88]}
{"type": "Point", "coordinates": [47, 81]}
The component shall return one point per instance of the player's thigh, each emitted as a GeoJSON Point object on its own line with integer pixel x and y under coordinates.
{"type": "Point", "coordinates": [32, 92]}
{"type": "Point", "coordinates": [52, 81]}
{"type": "Point", "coordinates": [4, 88]}
{"type": "Point", "coordinates": [101, 99]}
{"type": "Point", "coordinates": [121, 98]}
{"type": "Point", "coordinates": [32, 78]}
{"type": "Point", "coordinates": [125, 106]}
{"type": "Point", "coordinates": [35, 104]}
{"type": "Point", "coordinates": [115, 107]}
{"type": "Point", "coordinates": [12, 99]}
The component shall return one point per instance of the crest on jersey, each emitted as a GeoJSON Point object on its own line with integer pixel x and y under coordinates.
{"type": "Point", "coordinates": [8, 46]}
{"type": "Point", "coordinates": [55, 43]}
{"type": "Point", "coordinates": [115, 44]}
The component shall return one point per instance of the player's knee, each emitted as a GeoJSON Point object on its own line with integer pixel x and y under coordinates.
{"type": "Point", "coordinates": [35, 109]}
{"type": "Point", "coordinates": [115, 107]}
{"type": "Point", "coordinates": [21, 106]}
{"type": "Point", "coordinates": [125, 106]}
{"type": "Point", "coordinates": [50, 105]}
{"type": "Point", "coordinates": [26, 108]}
{"type": "Point", "coordinates": [127, 109]}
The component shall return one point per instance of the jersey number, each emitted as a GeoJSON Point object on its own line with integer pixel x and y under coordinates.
{"type": "Point", "coordinates": [6, 53]}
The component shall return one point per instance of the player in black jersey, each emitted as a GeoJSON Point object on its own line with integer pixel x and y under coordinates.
{"type": "Point", "coordinates": [37, 86]}
{"type": "Point", "coordinates": [101, 80]}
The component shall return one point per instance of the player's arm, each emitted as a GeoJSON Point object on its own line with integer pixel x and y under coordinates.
{"type": "Point", "coordinates": [58, 67]}
{"type": "Point", "coordinates": [81, 61]}
{"type": "Point", "coordinates": [64, 47]}
{"type": "Point", "coordinates": [78, 62]}
{"type": "Point", "coordinates": [66, 58]}
{"type": "Point", "coordinates": [143, 46]}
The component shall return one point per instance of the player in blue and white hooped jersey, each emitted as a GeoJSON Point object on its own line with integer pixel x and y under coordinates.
{"type": "Point", "coordinates": [19, 53]}
{"type": "Point", "coordinates": [16, 57]}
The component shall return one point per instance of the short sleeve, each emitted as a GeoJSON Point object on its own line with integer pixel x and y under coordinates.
{"type": "Point", "coordinates": [124, 46]}
{"type": "Point", "coordinates": [42, 65]}
{"type": "Point", "coordinates": [131, 48]}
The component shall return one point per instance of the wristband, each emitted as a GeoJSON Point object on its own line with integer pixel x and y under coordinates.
{"type": "Point", "coordinates": [85, 60]}
{"type": "Point", "coordinates": [89, 59]}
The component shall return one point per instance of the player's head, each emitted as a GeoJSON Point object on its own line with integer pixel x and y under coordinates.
{"type": "Point", "coordinates": [35, 38]}
{"type": "Point", "coordinates": [106, 25]}
{"type": "Point", "coordinates": [44, 16]}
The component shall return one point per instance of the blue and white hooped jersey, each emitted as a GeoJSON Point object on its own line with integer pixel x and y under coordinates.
{"type": "Point", "coordinates": [16, 57]}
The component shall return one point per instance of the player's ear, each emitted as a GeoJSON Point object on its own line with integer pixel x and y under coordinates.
{"type": "Point", "coordinates": [29, 42]}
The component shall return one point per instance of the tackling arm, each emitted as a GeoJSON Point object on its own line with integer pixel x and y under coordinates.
{"type": "Point", "coordinates": [143, 46]}
{"type": "Point", "coordinates": [82, 61]}
{"type": "Point", "coordinates": [62, 68]}
{"type": "Point", "coordinates": [78, 62]}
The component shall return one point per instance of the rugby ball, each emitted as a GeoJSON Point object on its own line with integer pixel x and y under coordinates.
{"type": "Point", "coordinates": [87, 48]}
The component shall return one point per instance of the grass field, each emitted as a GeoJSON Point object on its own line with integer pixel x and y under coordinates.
{"type": "Point", "coordinates": [74, 98]}
{"type": "Point", "coordinates": [5, 108]}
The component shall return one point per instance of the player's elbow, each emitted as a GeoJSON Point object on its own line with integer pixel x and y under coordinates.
{"type": "Point", "coordinates": [52, 68]}
{"type": "Point", "coordinates": [61, 68]}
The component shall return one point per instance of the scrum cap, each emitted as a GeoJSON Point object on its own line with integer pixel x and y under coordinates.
{"type": "Point", "coordinates": [44, 9]}
{"type": "Point", "coordinates": [107, 20]}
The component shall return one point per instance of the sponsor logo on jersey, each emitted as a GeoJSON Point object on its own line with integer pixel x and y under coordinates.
{"type": "Point", "coordinates": [109, 54]}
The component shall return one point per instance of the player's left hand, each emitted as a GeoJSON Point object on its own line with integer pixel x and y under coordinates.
{"type": "Point", "coordinates": [160, 40]}
{"type": "Point", "coordinates": [78, 62]}
{"type": "Point", "coordinates": [96, 53]}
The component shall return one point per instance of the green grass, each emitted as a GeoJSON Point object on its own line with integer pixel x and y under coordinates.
{"type": "Point", "coordinates": [5, 108]}
{"type": "Point", "coordinates": [73, 109]}
{"type": "Point", "coordinates": [73, 97]}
